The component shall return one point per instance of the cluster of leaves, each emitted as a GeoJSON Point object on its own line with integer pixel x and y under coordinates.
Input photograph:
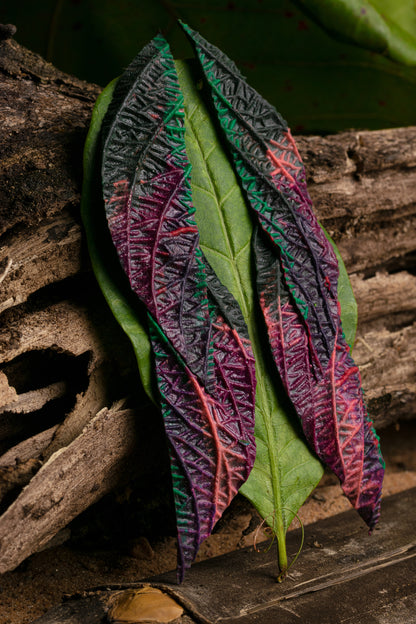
{"type": "Point", "coordinates": [326, 65]}
{"type": "Point", "coordinates": [234, 273]}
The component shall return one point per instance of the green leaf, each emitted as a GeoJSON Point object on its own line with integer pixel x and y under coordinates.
{"type": "Point", "coordinates": [104, 260]}
{"type": "Point", "coordinates": [317, 81]}
{"type": "Point", "coordinates": [349, 312]}
{"type": "Point", "coordinates": [384, 26]}
{"type": "Point", "coordinates": [285, 471]}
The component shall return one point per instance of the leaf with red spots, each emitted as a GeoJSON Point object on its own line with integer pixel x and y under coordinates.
{"type": "Point", "coordinates": [204, 366]}
{"type": "Point", "coordinates": [297, 277]}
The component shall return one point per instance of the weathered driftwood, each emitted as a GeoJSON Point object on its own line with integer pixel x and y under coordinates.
{"type": "Point", "coordinates": [63, 358]}
{"type": "Point", "coordinates": [52, 499]}
{"type": "Point", "coordinates": [344, 575]}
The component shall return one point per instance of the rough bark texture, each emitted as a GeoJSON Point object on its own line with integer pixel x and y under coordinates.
{"type": "Point", "coordinates": [63, 357]}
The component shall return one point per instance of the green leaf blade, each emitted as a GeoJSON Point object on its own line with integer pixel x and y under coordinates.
{"type": "Point", "coordinates": [376, 25]}
{"type": "Point", "coordinates": [105, 263]}
{"type": "Point", "coordinates": [285, 471]}
{"type": "Point", "coordinates": [349, 312]}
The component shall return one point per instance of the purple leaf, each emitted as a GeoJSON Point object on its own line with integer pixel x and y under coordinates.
{"type": "Point", "coordinates": [297, 276]}
{"type": "Point", "coordinates": [204, 368]}
{"type": "Point", "coordinates": [212, 450]}
{"type": "Point", "coordinates": [148, 206]}
{"type": "Point", "coordinates": [330, 406]}
{"type": "Point", "coordinates": [273, 177]}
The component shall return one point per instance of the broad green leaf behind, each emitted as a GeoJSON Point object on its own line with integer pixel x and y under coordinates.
{"type": "Point", "coordinates": [111, 279]}
{"type": "Point", "coordinates": [384, 26]}
{"type": "Point", "coordinates": [312, 76]}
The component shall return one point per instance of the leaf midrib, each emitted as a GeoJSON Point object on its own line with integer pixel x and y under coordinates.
{"type": "Point", "coordinates": [247, 311]}
{"type": "Point", "coordinates": [231, 258]}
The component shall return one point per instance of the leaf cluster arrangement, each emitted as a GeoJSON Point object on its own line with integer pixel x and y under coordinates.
{"type": "Point", "coordinates": [239, 290]}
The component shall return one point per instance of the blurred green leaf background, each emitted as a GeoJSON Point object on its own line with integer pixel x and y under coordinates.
{"type": "Point", "coordinates": [326, 65]}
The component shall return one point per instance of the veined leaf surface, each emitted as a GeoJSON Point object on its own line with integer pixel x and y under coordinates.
{"type": "Point", "coordinates": [129, 314]}
{"type": "Point", "coordinates": [204, 367]}
{"type": "Point", "coordinates": [285, 470]}
{"type": "Point", "coordinates": [272, 175]}
{"type": "Point", "coordinates": [106, 265]}
{"type": "Point", "coordinates": [297, 277]}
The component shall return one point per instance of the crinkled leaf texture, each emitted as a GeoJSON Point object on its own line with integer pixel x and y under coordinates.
{"type": "Point", "coordinates": [104, 259]}
{"type": "Point", "coordinates": [297, 278]}
{"type": "Point", "coordinates": [285, 471]}
{"type": "Point", "coordinates": [199, 402]}
{"type": "Point", "coordinates": [203, 359]}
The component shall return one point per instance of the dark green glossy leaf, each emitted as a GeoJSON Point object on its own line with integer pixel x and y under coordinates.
{"type": "Point", "coordinates": [315, 80]}
{"type": "Point", "coordinates": [384, 26]}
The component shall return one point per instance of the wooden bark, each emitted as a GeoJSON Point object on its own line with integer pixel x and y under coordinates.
{"type": "Point", "coordinates": [52, 499]}
{"type": "Point", "coordinates": [343, 575]}
{"type": "Point", "coordinates": [63, 357]}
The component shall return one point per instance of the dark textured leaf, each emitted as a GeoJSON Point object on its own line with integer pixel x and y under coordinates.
{"type": "Point", "coordinates": [105, 262]}
{"type": "Point", "coordinates": [331, 407]}
{"type": "Point", "coordinates": [205, 369]}
{"type": "Point", "coordinates": [285, 471]}
{"type": "Point", "coordinates": [297, 285]}
{"type": "Point", "coordinates": [273, 177]}
{"type": "Point", "coordinates": [212, 451]}
{"type": "Point", "coordinates": [145, 189]}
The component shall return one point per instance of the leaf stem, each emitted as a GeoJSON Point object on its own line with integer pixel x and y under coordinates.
{"type": "Point", "coordinates": [282, 557]}
{"type": "Point", "coordinates": [283, 573]}
{"type": "Point", "coordinates": [278, 527]}
{"type": "Point", "coordinates": [278, 521]}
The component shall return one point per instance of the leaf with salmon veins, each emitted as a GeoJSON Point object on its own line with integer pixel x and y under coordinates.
{"type": "Point", "coordinates": [297, 277]}
{"type": "Point", "coordinates": [210, 350]}
{"type": "Point", "coordinates": [203, 360]}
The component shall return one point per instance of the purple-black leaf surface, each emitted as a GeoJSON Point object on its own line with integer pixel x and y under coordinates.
{"type": "Point", "coordinates": [330, 406]}
{"type": "Point", "coordinates": [204, 367]}
{"type": "Point", "coordinates": [273, 178]}
{"type": "Point", "coordinates": [297, 275]}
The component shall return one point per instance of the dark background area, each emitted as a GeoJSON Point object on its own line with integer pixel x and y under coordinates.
{"type": "Point", "coordinates": [322, 75]}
